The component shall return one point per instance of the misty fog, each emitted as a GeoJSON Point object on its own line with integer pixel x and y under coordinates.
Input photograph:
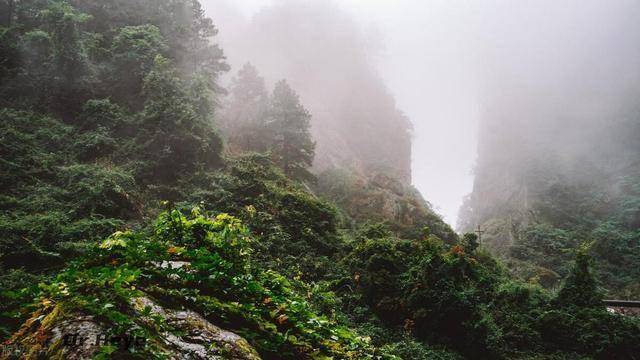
{"type": "Point", "coordinates": [451, 65]}
{"type": "Point", "coordinates": [320, 179]}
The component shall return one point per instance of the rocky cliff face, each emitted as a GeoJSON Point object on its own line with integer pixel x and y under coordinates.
{"type": "Point", "coordinates": [324, 55]}
{"type": "Point", "coordinates": [381, 197]}
{"type": "Point", "coordinates": [543, 187]}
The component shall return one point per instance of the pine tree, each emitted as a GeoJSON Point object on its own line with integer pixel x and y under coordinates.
{"type": "Point", "coordinates": [291, 147]}
{"type": "Point", "coordinates": [581, 288]}
{"type": "Point", "coordinates": [134, 49]}
{"type": "Point", "coordinates": [69, 58]}
{"type": "Point", "coordinates": [175, 138]}
{"type": "Point", "coordinates": [246, 111]}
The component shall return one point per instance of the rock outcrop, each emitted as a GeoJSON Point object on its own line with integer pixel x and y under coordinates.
{"type": "Point", "coordinates": [383, 197]}
{"type": "Point", "coordinates": [55, 333]}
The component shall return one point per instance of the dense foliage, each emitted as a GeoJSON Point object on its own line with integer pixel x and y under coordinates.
{"type": "Point", "coordinates": [300, 231]}
{"type": "Point", "coordinates": [108, 113]}
{"type": "Point", "coordinates": [101, 109]}
{"type": "Point", "coordinates": [552, 202]}
{"type": "Point", "coordinates": [463, 299]}
{"type": "Point", "coordinates": [219, 280]}
{"type": "Point", "coordinates": [105, 107]}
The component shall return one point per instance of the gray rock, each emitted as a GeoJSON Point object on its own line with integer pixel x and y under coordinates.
{"type": "Point", "coordinates": [200, 339]}
{"type": "Point", "coordinates": [52, 333]}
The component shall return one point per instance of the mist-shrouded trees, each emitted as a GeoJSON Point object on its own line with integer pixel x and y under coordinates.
{"type": "Point", "coordinates": [277, 123]}
{"type": "Point", "coordinates": [556, 160]}
{"type": "Point", "coordinates": [536, 205]}
{"type": "Point", "coordinates": [292, 147]}
{"type": "Point", "coordinates": [356, 123]}
{"type": "Point", "coordinates": [70, 59]}
{"type": "Point", "coordinates": [244, 117]}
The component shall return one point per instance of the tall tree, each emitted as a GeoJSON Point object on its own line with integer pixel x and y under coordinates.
{"type": "Point", "coordinates": [581, 288]}
{"type": "Point", "coordinates": [292, 147]}
{"type": "Point", "coordinates": [9, 7]}
{"type": "Point", "coordinates": [134, 49]}
{"type": "Point", "coordinates": [70, 62]}
{"type": "Point", "coordinates": [175, 139]}
{"type": "Point", "coordinates": [244, 118]}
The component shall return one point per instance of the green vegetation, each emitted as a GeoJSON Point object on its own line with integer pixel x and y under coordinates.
{"type": "Point", "coordinates": [278, 124]}
{"type": "Point", "coordinates": [556, 203]}
{"type": "Point", "coordinates": [382, 199]}
{"type": "Point", "coordinates": [244, 118]}
{"type": "Point", "coordinates": [106, 108]}
{"type": "Point", "coordinates": [219, 280]}
{"type": "Point", "coordinates": [478, 310]}
{"type": "Point", "coordinates": [293, 148]}
{"type": "Point", "coordinates": [109, 112]}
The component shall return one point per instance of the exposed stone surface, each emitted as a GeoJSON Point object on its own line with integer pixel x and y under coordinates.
{"type": "Point", "coordinates": [628, 311]}
{"type": "Point", "coordinates": [384, 198]}
{"type": "Point", "coordinates": [200, 338]}
{"type": "Point", "coordinates": [53, 334]}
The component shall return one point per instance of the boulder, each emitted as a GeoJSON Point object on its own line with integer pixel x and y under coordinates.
{"type": "Point", "coordinates": [53, 333]}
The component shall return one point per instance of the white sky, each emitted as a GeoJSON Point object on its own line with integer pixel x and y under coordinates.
{"type": "Point", "coordinates": [432, 82]}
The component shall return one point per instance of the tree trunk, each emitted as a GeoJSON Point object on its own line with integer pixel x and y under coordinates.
{"type": "Point", "coordinates": [10, 12]}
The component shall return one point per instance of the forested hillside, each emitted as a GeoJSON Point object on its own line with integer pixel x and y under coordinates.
{"type": "Point", "coordinates": [537, 204]}
{"type": "Point", "coordinates": [148, 212]}
{"type": "Point", "coordinates": [558, 153]}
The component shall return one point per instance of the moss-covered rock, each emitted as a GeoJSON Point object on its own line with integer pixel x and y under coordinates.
{"type": "Point", "coordinates": [53, 333]}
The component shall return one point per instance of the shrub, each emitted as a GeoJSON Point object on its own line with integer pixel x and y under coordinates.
{"type": "Point", "coordinates": [220, 281]}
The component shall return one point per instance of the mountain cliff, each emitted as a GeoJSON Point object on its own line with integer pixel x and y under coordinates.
{"type": "Point", "coordinates": [325, 56]}
{"type": "Point", "coordinates": [549, 178]}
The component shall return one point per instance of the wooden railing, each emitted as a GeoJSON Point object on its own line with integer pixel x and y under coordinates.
{"type": "Point", "coordinates": [622, 303]}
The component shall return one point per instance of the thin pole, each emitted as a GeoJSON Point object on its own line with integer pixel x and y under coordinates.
{"type": "Point", "coordinates": [479, 231]}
